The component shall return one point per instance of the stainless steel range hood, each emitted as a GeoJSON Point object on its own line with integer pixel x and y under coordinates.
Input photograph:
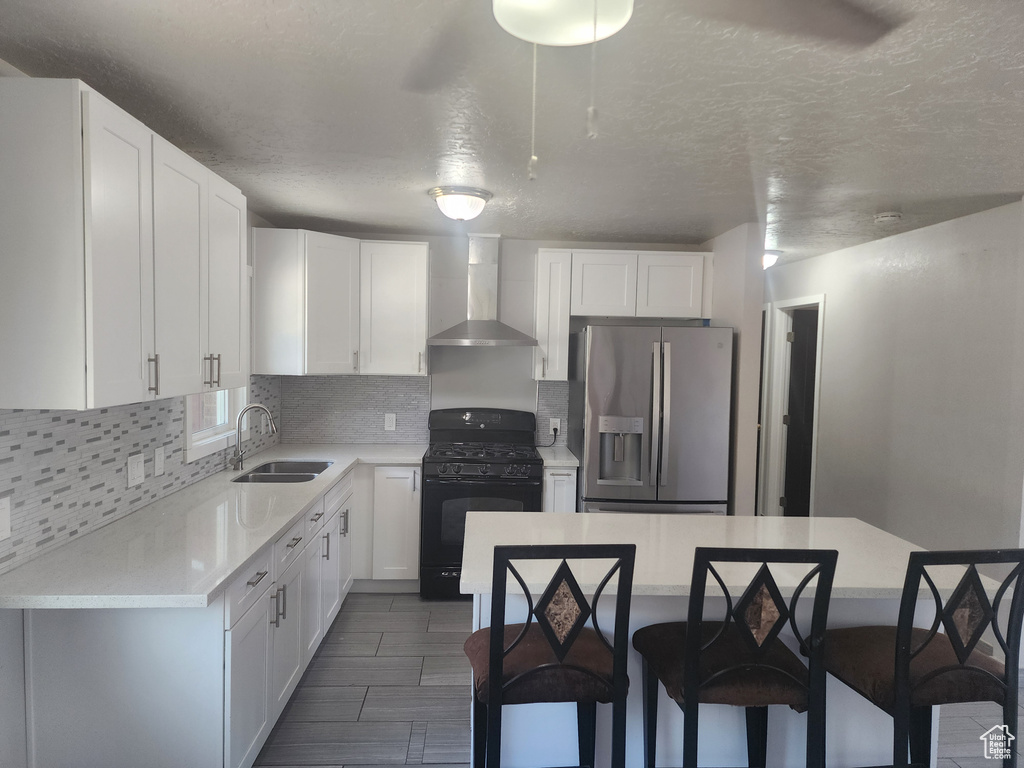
{"type": "Point", "coordinates": [481, 328]}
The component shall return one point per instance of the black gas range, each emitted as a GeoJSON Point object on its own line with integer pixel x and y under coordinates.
{"type": "Point", "coordinates": [478, 459]}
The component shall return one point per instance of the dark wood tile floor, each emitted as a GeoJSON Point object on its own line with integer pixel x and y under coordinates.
{"type": "Point", "coordinates": [390, 686]}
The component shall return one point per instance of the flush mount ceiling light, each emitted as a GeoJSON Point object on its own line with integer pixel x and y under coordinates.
{"type": "Point", "coordinates": [562, 22]}
{"type": "Point", "coordinates": [769, 259]}
{"type": "Point", "coordinates": [460, 203]}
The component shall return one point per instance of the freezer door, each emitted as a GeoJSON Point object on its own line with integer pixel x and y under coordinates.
{"type": "Point", "coordinates": [620, 366]}
{"type": "Point", "coordinates": [694, 448]}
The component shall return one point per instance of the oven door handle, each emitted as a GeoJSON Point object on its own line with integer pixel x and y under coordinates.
{"type": "Point", "coordinates": [493, 482]}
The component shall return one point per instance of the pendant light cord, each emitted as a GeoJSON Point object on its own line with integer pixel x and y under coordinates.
{"type": "Point", "coordinates": [592, 110]}
{"type": "Point", "coordinates": [531, 167]}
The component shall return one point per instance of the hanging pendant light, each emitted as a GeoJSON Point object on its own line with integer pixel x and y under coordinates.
{"type": "Point", "coordinates": [562, 22]}
{"type": "Point", "coordinates": [460, 203]}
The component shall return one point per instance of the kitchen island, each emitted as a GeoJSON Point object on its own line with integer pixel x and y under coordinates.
{"type": "Point", "coordinates": [868, 583]}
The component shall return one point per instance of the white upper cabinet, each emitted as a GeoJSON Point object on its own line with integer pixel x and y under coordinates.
{"type": "Point", "coordinates": [180, 261]}
{"type": "Point", "coordinates": [226, 356]}
{"type": "Point", "coordinates": [393, 308]}
{"type": "Point", "coordinates": [332, 304]}
{"type": "Point", "coordinates": [551, 324]}
{"type": "Point", "coordinates": [603, 283]}
{"type": "Point", "coordinates": [669, 284]}
{"type": "Point", "coordinates": [638, 284]}
{"type": "Point", "coordinates": [306, 302]}
{"type": "Point", "coordinates": [76, 237]}
{"type": "Point", "coordinates": [103, 226]}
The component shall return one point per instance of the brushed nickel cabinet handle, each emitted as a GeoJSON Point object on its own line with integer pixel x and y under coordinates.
{"type": "Point", "coordinates": [419, 367]}
{"type": "Point", "coordinates": [316, 517]}
{"type": "Point", "coordinates": [260, 575]}
{"type": "Point", "coordinates": [218, 370]}
{"type": "Point", "coordinates": [327, 548]}
{"type": "Point", "coordinates": [276, 621]}
{"type": "Point", "coordinates": [294, 542]}
{"type": "Point", "coordinates": [208, 365]}
{"type": "Point", "coordinates": [155, 360]}
{"type": "Point", "coordinates": [355, 361]}
{"type": "Point", "coordinates": [344, 531]}
{"type": "Point", "coordinates": [284, 602]}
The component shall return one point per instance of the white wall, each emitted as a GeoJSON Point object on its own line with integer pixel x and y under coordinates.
{"type": "Point", "coordinates": [737, 299]}
{"type": "Point", "coordinates": [920, 423]}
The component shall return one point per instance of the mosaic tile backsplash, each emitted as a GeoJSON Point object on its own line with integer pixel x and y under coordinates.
{"type": "Point", "coordinates": [65, 471]}
{"type": "Point", "coordinates": [350, 409]}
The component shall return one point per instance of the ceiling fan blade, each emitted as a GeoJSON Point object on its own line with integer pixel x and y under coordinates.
{"type": "Point", "coordinates": [446, 54]}
{"type": "Point", "coordinates": [841, 21]}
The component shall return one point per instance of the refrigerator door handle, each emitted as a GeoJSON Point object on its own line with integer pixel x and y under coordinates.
{"type": "Point", "coordinates": [655, 411]}
{"type": "Point", "coordinates": [666, 409]}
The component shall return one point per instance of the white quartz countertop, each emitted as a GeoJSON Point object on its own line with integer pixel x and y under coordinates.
{"type": "Point", "coordinates": [183, 550]}
{"type": "Point", "coordinates": [872, 563]}
{"type": "Point", "coordinates": [558, 456]}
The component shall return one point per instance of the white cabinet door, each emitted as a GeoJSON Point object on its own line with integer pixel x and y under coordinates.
{"type": "Point", "coordinates": [227, 351]}
{"type": "Point", "coordinates": [287, 660]}
{"type": "Point", "coordinates": [119, 257]}
{"type": "Point", "coordinates": [180, 252]}
{"type": "Point", "coordinates": [332, 303]}
{"type": "Point", "coordinates": [670, 284]}
{"type": "Point", "coordinates": [604, 283]}
{"type": "Point", "coordinates": [396, 522]}
{"type": "Point", "coordinates": [248, 717]}
{"type": "Point", "coordinates": [559, 490]}
{"type": "Point", "coordinates": [345, 564]}
{"type": "Point", "coordinates": [551, 326]}
{"type": "Point", "coordinates": [393, 308]}
{"type": "Point", "coordinates": [312, 586]}
{"type": "Point", "coordinates": [330, 570]}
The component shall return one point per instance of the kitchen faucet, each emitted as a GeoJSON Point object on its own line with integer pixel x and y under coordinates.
{"type": "Point", "coordinates": [239, 454]}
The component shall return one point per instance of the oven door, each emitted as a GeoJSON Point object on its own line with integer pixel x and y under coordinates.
{"type": "Point", "coordinates": [445, 503]}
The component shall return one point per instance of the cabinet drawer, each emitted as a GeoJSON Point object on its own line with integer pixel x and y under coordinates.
{"type": "Point", "coordinates": [288, 547]}
{"type": "Point", "coordinates": [315, 520]}
{"type": "Point", "coordinates": [335, 498]}
{"type": "Point", "coordinates": [247, 588]}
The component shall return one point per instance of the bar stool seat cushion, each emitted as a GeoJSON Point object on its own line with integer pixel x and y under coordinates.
{"type": "Point", "coordinates": [864, 658]}
{"type": "Point", "coordinates": [590, 681]}
{"type": "Point", "coordinates": [662, 645]}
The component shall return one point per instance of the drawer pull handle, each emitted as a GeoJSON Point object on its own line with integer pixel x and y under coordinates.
{"type": "Point", "coordinates": [260, 575]}
{"type": "Point", "coordinates": [284, 601]}
{"type": "Point", "coordinates": [316, 517]}
{"type": "Point", "coordinates": [345, 530]}
{"type": "Point", "coordinates": [559, 474]}
{"type": "Point", "coordinates": [327, 546]}
{"type": "Point", "coordinates": [294, 542]}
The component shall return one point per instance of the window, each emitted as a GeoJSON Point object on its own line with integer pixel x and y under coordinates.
{"type": "Point", "coordinates": [210, 421]}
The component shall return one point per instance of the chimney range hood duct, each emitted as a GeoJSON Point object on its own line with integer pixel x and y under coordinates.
{"type": "Point", "coordinates": [481, 328]}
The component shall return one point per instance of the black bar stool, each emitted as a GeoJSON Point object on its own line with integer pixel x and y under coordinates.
{"type": "Point", "coordinates": [553, 656]}
{"type": "Point", "coordinates": [905, 671]}
{"type": "Point", "coordinates": [741, 660]}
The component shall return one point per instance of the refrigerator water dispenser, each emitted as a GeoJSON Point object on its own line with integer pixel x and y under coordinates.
{"type": "Point", "coordinates": [621, 448]}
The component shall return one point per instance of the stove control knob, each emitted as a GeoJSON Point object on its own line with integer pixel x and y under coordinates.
{"type": "Point", "coordinates": [456, 468]}
{"type": "Point", "coordinates": [443, 469]}
{"type": "Point", "coordinates": [484, 469]}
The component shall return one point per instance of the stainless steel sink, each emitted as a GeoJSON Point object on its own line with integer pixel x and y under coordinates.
{"type": "Point", "coordinates": [274, 477]}
{"type": "Point", "coordinates": [284, 472]}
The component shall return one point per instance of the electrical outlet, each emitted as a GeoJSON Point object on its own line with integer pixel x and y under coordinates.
{"type": "Point", "coordinates": [5, 518]}
{"type": "Point", "coordinates": [389, 422]}
{"type": "Point", "coordinates": [136, 470]}
{"type": "Point", "coordinates": [554, 425]}
{"type": "Point", "coordinates": [158, 461]}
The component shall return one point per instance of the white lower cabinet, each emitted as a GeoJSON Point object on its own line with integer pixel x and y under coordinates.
{"type": "Point", "coordinates": [221, 674]}
{"type": "Point", "coordinates": [559, 490]}
{"type": "Point", "coordinates": [396, 522]}
{"type": "Point", "coordinates": [248, 718]}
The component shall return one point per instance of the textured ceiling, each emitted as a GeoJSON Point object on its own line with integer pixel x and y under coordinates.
{"type": "Point", "coordinates": [340, 114]}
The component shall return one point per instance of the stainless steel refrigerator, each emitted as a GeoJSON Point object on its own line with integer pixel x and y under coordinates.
{"type": "Point", "coordinates": [649, 418]}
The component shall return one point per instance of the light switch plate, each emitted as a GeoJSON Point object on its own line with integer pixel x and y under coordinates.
{"type": "Point", "coordinates": [389, 422]}
{"type": "Point", "coordinates": [5, 518]}
{"type": "Point", "coordinates": [136, 470]}
{"type": "Point", "coordinates": [158, 461]}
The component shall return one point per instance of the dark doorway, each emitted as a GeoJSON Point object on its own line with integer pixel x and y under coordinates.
{"type": "Point", "coordinates": [760, 417]}
{"type": "Point", "coordinates": [800, 415]}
